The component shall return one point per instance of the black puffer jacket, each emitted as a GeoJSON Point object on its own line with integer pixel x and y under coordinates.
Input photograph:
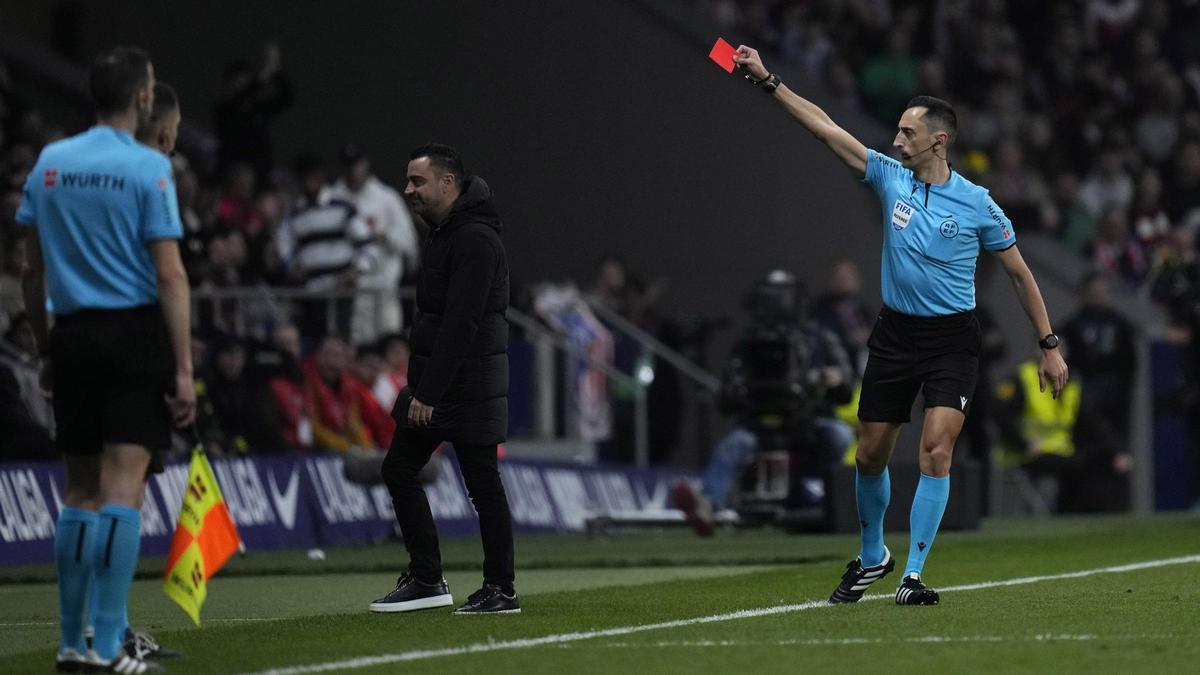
{"type": "Point", "coordinates": [459, 362]}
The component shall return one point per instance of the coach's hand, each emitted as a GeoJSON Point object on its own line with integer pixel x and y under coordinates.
{"type": "Point", "coordinates": [751, 62]}
{"type": "Point", "coordinates": [182, 403]}
{"type": "Point", "coordinates": [419, 414]}
{"type": "Point", "coordinates": [1052, 371]}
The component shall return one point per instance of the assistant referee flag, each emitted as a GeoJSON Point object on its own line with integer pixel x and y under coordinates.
{"type": "Point", "coordinates": [204, 539]}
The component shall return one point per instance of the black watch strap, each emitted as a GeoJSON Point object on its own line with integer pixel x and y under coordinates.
{"type": "Point", "coordinates": [1049, 342]}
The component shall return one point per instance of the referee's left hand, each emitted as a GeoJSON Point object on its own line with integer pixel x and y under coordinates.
{"type": "Point", "coordinates": [419, 414]}
{"type": "Point", "coordinates": [1052, 371]}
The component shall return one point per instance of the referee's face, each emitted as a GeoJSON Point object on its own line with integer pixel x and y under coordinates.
{"type": "Point", "coordinates": [913, 141]}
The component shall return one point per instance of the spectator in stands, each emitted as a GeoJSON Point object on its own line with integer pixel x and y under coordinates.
{"type": "Point", "coordinates": [1115, 251]}
{"type": "Point", "coordinates": [890, 79]}
{"type": "Point", "coordinates": [1150, 220]}
{"type": "Point", "coordinates": [1184, 197]}
{"type": "Point", "coordinates": [608, 284]}
{"type": "Point", "coordinates": [1017, 189]}
{"type": "Point", "coordinates": [1108, 187]}
{"type": "Point", "coordinates": [1075, 225]}
{"type": "Point", "coordinates": [330, 399]}
{"type": "Point", "coordinates": [287, 389]}
{"type": "Point", "coordinates": [12, 297]}
{"type": "Point", "coordinates": [394, 376]}
{"type": "Point", "coordinates": [237, 211]}
{"type": "Point", "coordinates": [242, 415]}
{"type": "Point", "coordinates": [250, 100]}
{"type": "Point", "coordinates": [365, 370]}
{"type": "Point", "coordinates": [322, 245]}
{"type": "Point", "coordinates": [393, 238]}
{"type": "Point", "coordinates": [841, 310]}
{"type": "Point", "coordinates": [26, 417]}
{"type": "Point", "coordinates": [1103, 351]}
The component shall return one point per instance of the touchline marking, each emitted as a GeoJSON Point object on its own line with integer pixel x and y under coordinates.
{"type": "Point", "coordinates": [928, 639]}
{"type": "Point", "coordinates": [526, 643]}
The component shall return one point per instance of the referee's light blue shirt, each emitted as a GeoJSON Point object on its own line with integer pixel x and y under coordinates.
{"type": "Point", "coordinates": [97, 200]}
{"type": "Point", "coordinates": [932, 237]}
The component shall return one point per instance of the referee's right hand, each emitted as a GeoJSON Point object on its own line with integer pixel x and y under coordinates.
{"type": "Point", "coordinates": [182, 403]}
{"type": "Point", "coordinates": [748, 59]}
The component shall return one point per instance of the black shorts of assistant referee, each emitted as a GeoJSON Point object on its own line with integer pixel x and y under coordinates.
{"type": "Point", "coordinates": [937, 355]}
{"type": "Point", "coordinates": [111, 370]}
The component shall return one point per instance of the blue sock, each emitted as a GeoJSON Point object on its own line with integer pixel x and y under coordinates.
{"type": "Point", "coordinates": [73, 539]}
{"type": "Point", "coordinates": [873, 494]}
{"type": "Point", "coordinates": [115, 555]}
{"type": "Point", "coordinates": [94, 602]}
{"type": "Point", "coordinates": [928, 506]}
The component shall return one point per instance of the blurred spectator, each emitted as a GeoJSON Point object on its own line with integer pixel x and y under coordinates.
{"type": "Point", "coordinates": [890, 79]}
{"type": "Point", "coordinates": [242, 417]}
{"type": "Point", "coordinates": [368, 365]}
{"type": "Point", "coordinates": [322, 245]}
{"type": "Point", "coordinates": [1185, 183]}
{"type": "Point", "coordinates": [331, 399]}
{"type": "Point", "coordinates": [250, 100]}
{"type": "Point", "coordinates": [1103, 353]}
{"type": "Point", "coordinates": [1115, 251]}
{"type": "Point", "coordinates": [394, 375]}
{"type": "Point", "coordinates": [1108, 187]}
{"type": "Point", "coordinates": [237, 211]}
{"type": "Point", "coordinates": [393, 238]}
{"type": "Point", "coordinates": [842, 311]}
{"type": "Point", "coordinates": [12, 297]}
{"type": "Point", "coordinates": [26, 416]}
{"type": "Point", "coordinates": [1017, 189]}
{"type": "Point", "coordinates": [1151, 222]}
{"type": "Point", "coordinates": [1075, 224]}
{"type": "Point", "coordinates": [288, 391]}
{"type": "Point", "coordinates": [608, 285]}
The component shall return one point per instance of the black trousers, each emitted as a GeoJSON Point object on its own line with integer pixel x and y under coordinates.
{"type": "Point", "coordinates": [409, 453]}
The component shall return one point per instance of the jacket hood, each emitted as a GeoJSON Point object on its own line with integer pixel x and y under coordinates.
{"type": "Point", "coordinates": [476, 204]}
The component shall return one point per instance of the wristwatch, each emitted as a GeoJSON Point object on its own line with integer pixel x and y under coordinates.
{"type": "Point", "coordinates": [1049, 342]}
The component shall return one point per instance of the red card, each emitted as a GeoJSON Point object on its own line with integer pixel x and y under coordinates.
{"type": "Point", "coordinates": [722, 53]}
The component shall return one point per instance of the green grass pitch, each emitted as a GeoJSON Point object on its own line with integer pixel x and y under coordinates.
{"type": "Point", "coordinates": [637, 602]}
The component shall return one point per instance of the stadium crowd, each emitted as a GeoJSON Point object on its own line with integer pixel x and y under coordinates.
{"type": "Point", "coordinates": [1082, 118]}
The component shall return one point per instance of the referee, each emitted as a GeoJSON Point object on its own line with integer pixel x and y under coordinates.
{"type": "Point", "coordinates": [104, 229]}
{"type": "Point", "coordinates": [926, 338]}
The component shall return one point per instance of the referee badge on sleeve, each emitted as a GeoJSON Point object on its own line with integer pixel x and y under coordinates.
{"type": "Point", "coordinates": [901, 214]}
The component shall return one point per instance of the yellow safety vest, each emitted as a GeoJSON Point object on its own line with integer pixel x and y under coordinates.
{"type": "Point", "coordinates": [1049, 420]}
{"type": "Point", "coordinates": [848, 413]}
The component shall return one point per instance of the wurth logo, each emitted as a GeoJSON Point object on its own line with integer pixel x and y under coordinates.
{"type": "Point", "coordinates": [50, 178]}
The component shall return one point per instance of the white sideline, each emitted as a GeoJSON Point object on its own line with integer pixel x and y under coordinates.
{"type": "Point", "coordinates": [525, 643]}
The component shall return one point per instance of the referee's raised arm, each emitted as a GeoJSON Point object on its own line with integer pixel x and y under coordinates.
{"type": "Point", "coordinates": [848, 148]}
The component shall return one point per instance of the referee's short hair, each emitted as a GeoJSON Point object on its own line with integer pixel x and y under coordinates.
{"type": "Point", "coordinates": [442, 157]}
{"type": "Point", "coordinates": [939, 115]}
{"type": "Point", "coordinates": [116, 77]}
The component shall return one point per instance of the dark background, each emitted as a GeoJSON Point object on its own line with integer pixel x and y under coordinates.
{"type": "Point", "coordinates": [599, 128]}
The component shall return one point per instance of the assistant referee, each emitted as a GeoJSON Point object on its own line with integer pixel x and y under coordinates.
{"type": "Point", "coordinates": [104, 232]}
{"type": "Point", "coordinates": [926, 338]}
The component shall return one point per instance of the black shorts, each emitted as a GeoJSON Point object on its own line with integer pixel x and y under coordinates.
{"type": "Point", "coordinates": [937, 355]}
{"type": "Point", "coordinates": [111, 369]}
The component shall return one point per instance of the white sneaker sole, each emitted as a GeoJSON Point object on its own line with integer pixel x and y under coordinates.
{"type": "Point", "coordinates": [431, 602]}
{"type": "Point", "coordinates": [502, 611]}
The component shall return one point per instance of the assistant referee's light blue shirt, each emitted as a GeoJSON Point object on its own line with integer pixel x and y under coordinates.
{"type": "Point", "coordinates": [932, 237]}
{"type": "Point", "coordinates": [97, 200]}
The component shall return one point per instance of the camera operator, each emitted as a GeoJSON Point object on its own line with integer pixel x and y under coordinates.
{"type": "Point", "coordinates": [784, 379]}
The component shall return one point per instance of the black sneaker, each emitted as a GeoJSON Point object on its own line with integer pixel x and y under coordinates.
{"type": "Point", "coordinates": [857, 578]}
{"type": "Point", "coordinates": [121, 663]}
{"type": "Point", "coordinates": [411, 594]}
{"type": "Point", "coordinates": [913, 592]}
{"type": "Point", "coordinates": [69, 661]}
{"type": "Point", "coordinates": [143, 645]}
{"type": "Point", "coordinates": [491, 599]}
